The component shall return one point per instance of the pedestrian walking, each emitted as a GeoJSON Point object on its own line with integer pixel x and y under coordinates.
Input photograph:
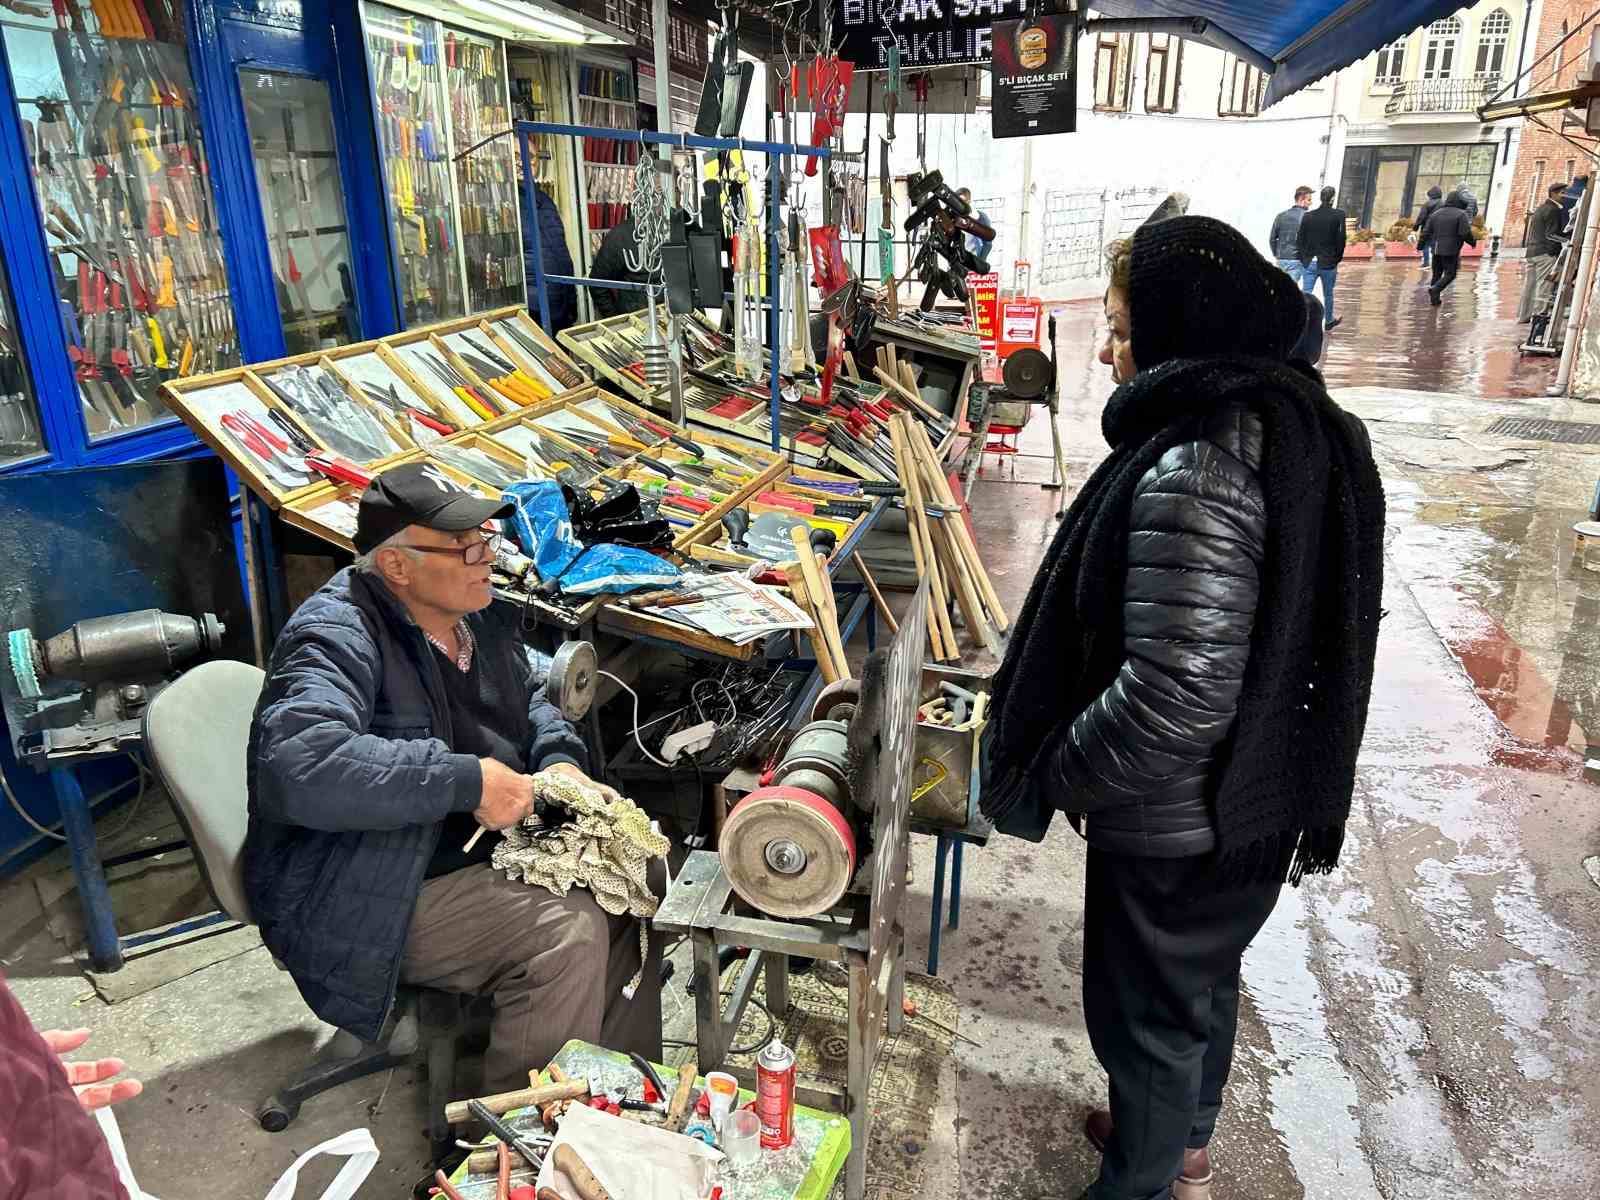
{"type": "Point", "coordinates": [1189, 676]}
{"type": "Point", "coordinates": [1321, 250]}
{"type": "Point", "coordinates": [1469, 202]}
{"type": "Point", "coordinates": [1285, 236]}
{"type": "Point", "coordinates": [1543, 245]}
{"type": "Point", "coordinates": [1429, 207]}
{"type": "Point", "coordinates": [1448, 230]}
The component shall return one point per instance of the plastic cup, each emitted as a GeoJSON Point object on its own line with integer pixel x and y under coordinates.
{"type": "Point", "coordinates": [741, 1137]}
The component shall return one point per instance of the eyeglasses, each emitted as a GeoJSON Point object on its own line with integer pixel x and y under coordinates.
{"type": "Point", "coordinates": [472, 554]}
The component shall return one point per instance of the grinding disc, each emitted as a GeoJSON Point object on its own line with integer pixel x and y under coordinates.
{"type": "Point", "coordinates": [22, 648]}
{"type": "Point", "coordinates": [841, 694]}
{"type": "Point", "coordinates": [788, 852]}
{"type": "Point", "coordinates": [1027, 373]}
{"type": "Point", "coordinates": [570, 685]}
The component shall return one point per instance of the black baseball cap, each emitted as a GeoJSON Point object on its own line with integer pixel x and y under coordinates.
{"type": "Point", "coordinates": [419, 494]}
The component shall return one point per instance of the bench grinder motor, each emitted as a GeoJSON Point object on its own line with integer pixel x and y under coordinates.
{"type": "Point", "coordinates": [790, 848]}
{"type": "Point", "coordinates": [125, 659]}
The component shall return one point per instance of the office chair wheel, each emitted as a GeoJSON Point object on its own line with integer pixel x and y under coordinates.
{"type": "Point", "coordinates": [275, 1116]}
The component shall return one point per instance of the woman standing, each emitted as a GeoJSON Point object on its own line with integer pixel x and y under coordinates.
{"type": "Point", "coordinates": [1189, 676]}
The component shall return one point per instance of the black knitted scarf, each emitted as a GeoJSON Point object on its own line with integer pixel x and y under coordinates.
{"type": "Point", "coordinates": [1281, 791]}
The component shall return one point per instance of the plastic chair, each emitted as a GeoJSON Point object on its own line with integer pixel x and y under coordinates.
{"type": "Point", "coordinates": [196, 731]}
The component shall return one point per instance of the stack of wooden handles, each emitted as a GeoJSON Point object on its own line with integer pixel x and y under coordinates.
{"type": "Point", "coordinates": [941, 545]}
{"type": "Point", "coordinates": [812, 589]}
{"type": "Point", "coordinates": [943, 549]}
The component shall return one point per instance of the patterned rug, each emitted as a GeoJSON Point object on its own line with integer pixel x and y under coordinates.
{"type": "Point", "coordinates": [905, 1079]}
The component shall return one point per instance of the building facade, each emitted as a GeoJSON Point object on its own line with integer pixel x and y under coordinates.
{"type": "Point", "coordinates": [1156, 114]}
{"type": "Point", "coordinates": [1554, 148]}
{"type": "Point", "coordinates": [1412, 116]}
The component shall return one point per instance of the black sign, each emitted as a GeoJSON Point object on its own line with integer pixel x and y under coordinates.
{"type": "Point", "coordinates": [931, 33]}
{"type": "Point", "coordinates": [1035, 77]}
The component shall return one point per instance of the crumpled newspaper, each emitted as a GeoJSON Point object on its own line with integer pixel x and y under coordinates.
{"type": "Point", "coordinates": [606, 847]}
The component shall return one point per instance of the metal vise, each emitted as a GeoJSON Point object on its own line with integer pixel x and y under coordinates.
{"type": "Point", "coordinates": [125, 659]}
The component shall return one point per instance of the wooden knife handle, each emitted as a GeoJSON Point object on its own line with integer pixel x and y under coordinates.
{"type": "Point", "coordinates": [575, 1169]}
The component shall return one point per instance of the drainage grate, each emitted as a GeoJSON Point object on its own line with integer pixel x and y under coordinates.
{"type": "Point", "coordinates": [1533, 429]}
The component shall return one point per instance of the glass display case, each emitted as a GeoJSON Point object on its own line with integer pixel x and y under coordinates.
{"type": "Point", "coordinates": [404, 54]}
{"type": "Point", "coordinates": [114, 144]}
{"type": "Point", "coordinates": [485, 168]}
{"type": "Point", "coordinates": [19, 414]}
{"type": "Point", "coordinates": [290, 119]}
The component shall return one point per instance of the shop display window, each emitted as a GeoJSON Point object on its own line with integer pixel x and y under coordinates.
{"type": "Point", "coordinates": [19, 414]}
{"type": "Point", "coordinates": [408, 78]}
{"type": "Point", "coordinates": [290, 119]}
{"type": "Point", "coordinates": [486, 170]}
{"type": "Point", "coordinates": [118, 162]}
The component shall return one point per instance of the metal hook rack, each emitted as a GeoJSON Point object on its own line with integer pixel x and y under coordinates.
{"type": "Point", "coordinates": [527, 130]}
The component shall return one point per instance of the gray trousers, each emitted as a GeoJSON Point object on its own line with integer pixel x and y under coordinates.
{"type": "Point", "coordinates": [1535, 285]}
{"type": "Point", "coordinates": [555, 967]}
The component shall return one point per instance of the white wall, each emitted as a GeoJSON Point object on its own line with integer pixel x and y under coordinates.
{"type": "Point", "coordinates": [1240, 170]}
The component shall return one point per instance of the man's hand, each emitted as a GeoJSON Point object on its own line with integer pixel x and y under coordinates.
{"type": "Point", "coordinates": [571, 770]}
{"type": "Point", "coordinates": [88, 1079]}
{"type": "Point", "coordinates": [507, 795]}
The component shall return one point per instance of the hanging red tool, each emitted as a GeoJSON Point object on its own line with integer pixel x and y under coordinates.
{"type": "Point", "coordinates": [831, 98]}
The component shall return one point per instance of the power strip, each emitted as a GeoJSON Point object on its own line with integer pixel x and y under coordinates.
{"type": "Point", "coordinates": [688, 741]}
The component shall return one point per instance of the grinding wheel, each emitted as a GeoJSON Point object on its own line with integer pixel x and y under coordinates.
{"type": "Point", "coordinates": [837, 701]}
{"type": "Point", "coordinates": [24, 654]}
{"type": "Point", "coordinates": [573, 676]}
{"type": "Point", "coordinates": [788, 852]}
{"type": "Point", "coordinates": [1027, 373]}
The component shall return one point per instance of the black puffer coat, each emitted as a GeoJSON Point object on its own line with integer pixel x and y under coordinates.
{"type": "Point", "coordinates": [351, 776]}
{"type": "Point", "coordinates": [1137, 761]}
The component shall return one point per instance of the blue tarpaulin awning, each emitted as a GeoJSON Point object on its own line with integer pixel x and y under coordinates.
{"type": "Point", "coordinates": [1304, 39]}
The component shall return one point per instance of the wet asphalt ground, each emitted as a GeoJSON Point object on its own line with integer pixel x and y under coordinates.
{"type": "Point", "coordinates": [1423, 1023]}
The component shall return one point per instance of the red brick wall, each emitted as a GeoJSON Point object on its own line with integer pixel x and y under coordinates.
{"type": "Point", "coordinates": [1539, 143]}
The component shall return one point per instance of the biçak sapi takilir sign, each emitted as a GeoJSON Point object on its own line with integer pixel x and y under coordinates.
{"type": "Point", "coordinates": [931, 33]}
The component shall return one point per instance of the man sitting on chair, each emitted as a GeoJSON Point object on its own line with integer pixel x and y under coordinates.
{"type": "Point", "coordinates": [399, 715]}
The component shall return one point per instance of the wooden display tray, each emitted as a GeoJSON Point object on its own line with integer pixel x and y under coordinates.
{"type": "Point", "coordinates": [202, 399]}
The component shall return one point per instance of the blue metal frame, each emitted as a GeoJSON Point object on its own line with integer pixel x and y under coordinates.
{"type": "Point", "coordinates": [527, 129]}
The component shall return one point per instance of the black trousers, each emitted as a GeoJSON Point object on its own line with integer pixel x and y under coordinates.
{"type": "Point", "coordinates": [1445, 267]}
{"type": "Point", "coordinates": [1161, 1001]}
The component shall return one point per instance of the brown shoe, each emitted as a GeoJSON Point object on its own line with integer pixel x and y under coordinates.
{"type": "Point", "coordinates": [1193, 1184]}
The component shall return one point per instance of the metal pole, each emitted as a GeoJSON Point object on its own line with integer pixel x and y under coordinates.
{"type": "Point", "coordinates": [658, 22]}
{"type": "Point", "coordinates": [866, 145]}
{"type": "Point", "coordinates": [775, 275]}
{"type": "Point", "coordinates": [1580, 294]}
{"type": "Point", "coordinates": [523, 138]}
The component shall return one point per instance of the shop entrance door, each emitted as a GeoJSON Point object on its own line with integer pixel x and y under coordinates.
{"type": "Point", "coordinates": [1389, 192]}
{"type": "Point", "coordinates": [288, 93]}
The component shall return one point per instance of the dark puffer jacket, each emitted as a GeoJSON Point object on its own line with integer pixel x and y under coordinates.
{"type": "Point", "coordinates": [1449, 228]}
{"type": "Point", "coordinates": [351, 776]}
{"type": "Point", "coordinates": [1138, 761]}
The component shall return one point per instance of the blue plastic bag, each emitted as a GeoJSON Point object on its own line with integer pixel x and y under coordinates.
{"type": "Point", "coordinates": [542, 526]}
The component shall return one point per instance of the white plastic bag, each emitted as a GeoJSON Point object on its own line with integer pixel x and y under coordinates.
{"type": "Point", "coordinates": [357, 1146]}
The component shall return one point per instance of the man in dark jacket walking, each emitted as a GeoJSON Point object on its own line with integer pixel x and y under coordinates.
{"type": "Point", "coordinates": [1448, 230]}
{"type": "Point", "coordinates": [1431, 206]}
{"type": "Point", "coordinates": [1285, 236]}
{"type": "Point", "coordinates": [399, 716]}
{"type": "Point", "coordinates": [1321, 250]}
{"type": "Point", "coordinates": [1543, 245]}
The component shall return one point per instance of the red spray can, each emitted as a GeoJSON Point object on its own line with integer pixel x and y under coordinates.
{"type": "Point", "coordinates": [775, 1074]}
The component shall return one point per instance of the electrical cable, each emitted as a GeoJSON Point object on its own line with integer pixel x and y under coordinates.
{"type": "Point", "coordinates": [638, 741]}
{"type": "Point", "coordinates": [141, 777]}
